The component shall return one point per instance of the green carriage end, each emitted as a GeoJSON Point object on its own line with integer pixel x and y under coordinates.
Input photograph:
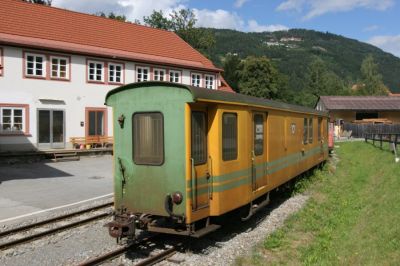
{"type": "Point", "coordinates": [144, 188]}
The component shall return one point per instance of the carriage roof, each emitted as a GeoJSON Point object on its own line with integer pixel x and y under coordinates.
{"type": "Point", "coordinates": [202, 94]}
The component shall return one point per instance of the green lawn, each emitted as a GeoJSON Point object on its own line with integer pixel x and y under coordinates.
{"type": "Point", "coordinates": [352, 217]}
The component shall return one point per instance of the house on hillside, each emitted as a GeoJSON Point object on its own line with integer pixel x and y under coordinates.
{"type": "Point", "coordinates": [360, 109]}
{"type": "Point", "coordinates": [56, 67]}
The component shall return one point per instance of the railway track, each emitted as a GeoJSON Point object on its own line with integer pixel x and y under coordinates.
{"type": "Point", "coordinates": [31, 237]}
{"type": "Point", "coordinates": [151, 260]}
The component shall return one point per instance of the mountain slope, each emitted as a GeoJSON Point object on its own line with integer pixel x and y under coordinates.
{"type": "Point", "coordinates": [293, 50]}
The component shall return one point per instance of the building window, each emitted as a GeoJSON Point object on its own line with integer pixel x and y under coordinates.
{"type": "Point", "coordinates": [159, 74]}
{"type": "Point", "coordinates": [12, 119]}
{"type": "Point", "coordinates": [209, 82]}
{"type": "Point", "coordinates": [142, 74]}
{"type": "Point", "coordinates": [1, 62]}
{"type": "Point", "coordinates": [96, 71]}
{"type": "Point", "coordinates": [35, 65]}
{"type": "Point", "coordinates": [196, 80]}
{"type": "Point", "coordinates": [258, 134]}
{"type": "Point", "coordinates": [199, 138]}
{"type": "Point", "coordinates": [148, 138]}
{"type": "Point", "coordinates": [305, 131]}
{"type": "Point", "coordinates": [174, 76]}
{"type": "Point", "coordinates": [310, 130]}
{"type": "Point", "coordinates": [115, 73]}
{"type": "Point", "coordinates": [59, 67]}
{"type": "Point", "coordinates": [229, 136]}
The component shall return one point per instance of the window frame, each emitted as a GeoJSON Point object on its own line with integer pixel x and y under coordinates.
{"type": "Point", "coordinates": [205, 137]}
{"type": "Point", "coordinates": [158, 70]}
{"type": "Point", "coordinates": [34, 69]}
{"type": "Point", "coordinates": [1, 62]}
{"type": "Point", "coordinates": [179, 72]}
{"type": "Point", "coordinates": [122, 75]}
{"type": "Point", "coordinates": [25, 119]}
{"type": "Point", "coordinates": [103, 72]}
{"type": "Point", "coordinates": [212, 87]}
{"type": "Point", "coordinates": [320, 128]}
{"type": "Point", "coordinates": [200, 78]}
{"type": "Point", "coordinates": [255, 133]}
{"type": "Point", "coordinates": [237, 137]}
{"type": "Point", "coordinates": [67, 67]}
{"type": "Point", "coordinates": [162, 135]}
{"type": "Point", "coordinates": [310, 130]}
{"type": "Point", "coordinates": [305, 130]}
{"type": "Point", "coordinates": [137, 73]}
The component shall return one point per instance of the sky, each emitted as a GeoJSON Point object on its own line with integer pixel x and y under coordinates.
{"type": "Point", "coordinates": [373, 21]}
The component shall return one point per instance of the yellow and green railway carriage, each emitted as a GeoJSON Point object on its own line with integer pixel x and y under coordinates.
{"type": "Point", "coordinates": [183, 155]}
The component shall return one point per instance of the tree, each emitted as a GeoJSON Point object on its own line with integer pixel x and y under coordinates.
{"type": "Point", "coordinates": [372, 83]}
{"type": "Point", "coordinates": [258, 77]}
{"type": "Point", "coordinates": [320, 81]}
{"type": "Point", "coordinates": [183, 23]}
{"type": "Point", "coordinates": [157, 20]}
{"type": "Point", "coordinates": [231, 70]}
{"type": "Point", "coordinates": [111, 15]}
{"type": "Point", "coordinates": [41, 2]}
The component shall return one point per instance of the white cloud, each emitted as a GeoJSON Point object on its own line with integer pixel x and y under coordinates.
{"type": "Point", "coordinates": [240, 3]}
{"type": "Point", "coordinates": [315, 8]}
{"type": "Point", "coordinates": [136, 9]}
{"type": "Point", "coordinates": [371, 28]}
{"type": "Point", "coordinates": [220, 19]}
{"type": "Point", "coordinates": [253, 26]}
{"type": "Point", "coordinates": [387, 43]}
{"type": "Point", "coordinates": [132, 9]}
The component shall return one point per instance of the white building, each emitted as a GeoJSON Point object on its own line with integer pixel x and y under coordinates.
{"type": "Point", "coordinates": [57, 66]}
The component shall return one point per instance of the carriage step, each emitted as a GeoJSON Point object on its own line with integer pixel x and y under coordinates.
{"type": "Point", "coordinates": [65, 157]}
{"type": "Point", "coordinates": [205, 230]}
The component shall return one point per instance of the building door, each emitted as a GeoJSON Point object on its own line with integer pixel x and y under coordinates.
{"type": "Point", "coordinates": [51, 129]}
{"type": "Point", "coordinates": [199, 159]}
{"type": "Point", "coordinates": [258, 153]}
{"type": "Point", "coordinates": [96, 122]}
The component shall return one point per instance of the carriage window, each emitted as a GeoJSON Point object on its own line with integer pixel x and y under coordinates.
{"type": "Point", "coordinates": [319, 129]}
{"type": "Point", "coordinates": [258, 134]}
{"type": "Point", "coordinates": [305, 131]}
{"type": "Point", "coordinates": [310, 130]}
{"type": "Point", "coordinates": [148, 138]}
{"type": "Point", "coordinates": [229, 136]}
{"type": "Point", "coordinates": [199, 138]}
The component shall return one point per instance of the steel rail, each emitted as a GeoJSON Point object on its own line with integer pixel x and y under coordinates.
{"type": "Point", "coordinates": [159, 257]}
{"type": "Point", "coordinates": [52, 220]}
{"type": "Point", "coordinates": [51, 231]}
{"type": "Point", "coordinates": [114, 253]}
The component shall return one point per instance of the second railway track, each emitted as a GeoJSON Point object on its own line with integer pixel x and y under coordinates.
{"type": "Point", "coordinates": [31, 237]}
{"type": "Point", "coordinates": [149, 260]}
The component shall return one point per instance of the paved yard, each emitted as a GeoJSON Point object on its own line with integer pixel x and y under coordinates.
{"type": "Point", "coordinates": [28, 188]}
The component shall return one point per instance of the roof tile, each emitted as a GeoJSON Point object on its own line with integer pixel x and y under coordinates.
{"type": "Point", "coordinates": [368, 103]}
{"type": "Point", "coordinates": [55, 24]}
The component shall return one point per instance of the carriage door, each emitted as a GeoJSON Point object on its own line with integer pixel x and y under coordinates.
{"type": "Point", "coordinates": [259, 178]}
{"type": "Point", "coordinates": [199, 160]}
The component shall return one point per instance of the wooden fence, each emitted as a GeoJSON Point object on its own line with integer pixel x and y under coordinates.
{"type": "Point", "coordinates": [391, 138]}
{"type": "Point", "coordinates": [360, 130]}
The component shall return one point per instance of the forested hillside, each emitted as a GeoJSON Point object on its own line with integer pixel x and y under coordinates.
{"type": "Point", "coordinates": [293, 51]}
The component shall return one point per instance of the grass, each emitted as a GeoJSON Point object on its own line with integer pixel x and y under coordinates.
{"type": "Point", "coordinates": [352, 217]}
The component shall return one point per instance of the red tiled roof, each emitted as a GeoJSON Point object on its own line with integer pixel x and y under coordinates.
{"type": "Point", "coordinates": [367, 103]}
{"type": "Point", "coordinates": [225, 86]}
{"type": "Point", "coordinates": [34, 25]}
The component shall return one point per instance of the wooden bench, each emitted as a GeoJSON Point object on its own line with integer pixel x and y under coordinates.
{"type": "Point", "coordinates": [92, 141]}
